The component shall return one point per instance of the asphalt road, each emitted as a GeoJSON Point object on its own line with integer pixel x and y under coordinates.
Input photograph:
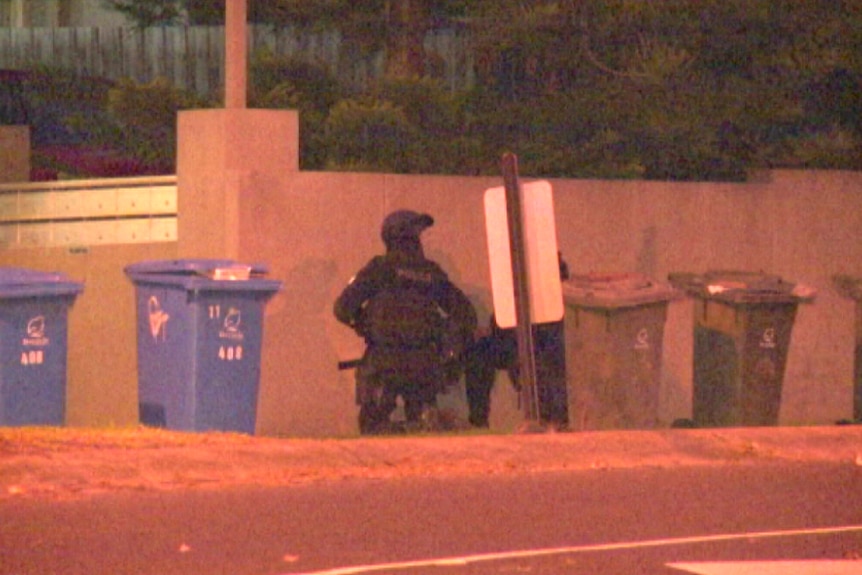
{"type": "Point", "coordinates": [620, 521]}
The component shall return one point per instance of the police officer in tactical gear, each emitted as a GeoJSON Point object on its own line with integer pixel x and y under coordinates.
{"type": "Point", "coordinates": [415, 322]}
{"type": "Point", "coordinates": [498, 350]}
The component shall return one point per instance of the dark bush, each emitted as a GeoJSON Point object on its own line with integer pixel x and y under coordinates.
{"type": "Point", "coordinates": [145, 117]}
{"type": "Point", "coordinates": [368, 135]}
{"type": "Point", "coordinates": [290, 83]}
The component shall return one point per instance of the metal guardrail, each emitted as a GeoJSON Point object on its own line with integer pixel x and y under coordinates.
{"type": "Point", "coordinates": [88, 212]}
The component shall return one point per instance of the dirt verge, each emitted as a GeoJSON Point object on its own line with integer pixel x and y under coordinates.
{"type": "Point", "coordinates": [63, 463]}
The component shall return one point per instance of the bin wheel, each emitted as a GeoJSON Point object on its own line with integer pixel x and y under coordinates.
{"type": "Point", "coordinates": [683, 423]}
{"type": "Point", "coordinates": [849, 422]}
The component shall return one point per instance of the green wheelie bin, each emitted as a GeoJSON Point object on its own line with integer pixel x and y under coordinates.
{"type": "Point", "coordinates": [614, 327]}
{"type": "Point", "coordinates": [742, 327]}
{"type": "Point", "coordinates": [851, 287]}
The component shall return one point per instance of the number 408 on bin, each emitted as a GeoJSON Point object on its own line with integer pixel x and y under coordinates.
{"type": "Point", "coordinates": [230, 329]}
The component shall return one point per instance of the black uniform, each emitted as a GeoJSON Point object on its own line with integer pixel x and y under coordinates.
{"type": "Point", "coordinates": [499, 351]}
{"type": "Point", "coordinates": [414, 320]}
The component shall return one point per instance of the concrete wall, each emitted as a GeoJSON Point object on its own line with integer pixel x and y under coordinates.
{"type": "Point", "coordinates": [316, 229]}
{"type": "Point", "coordinates": [14, 154]}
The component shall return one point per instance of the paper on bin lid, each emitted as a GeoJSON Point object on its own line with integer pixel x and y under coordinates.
{"type": "Point", "coordinates": [804, 292]}
{"type": "Point", "coordinates": [718, 288]}
{"type": "Point", "coordinates": [230, 273]}
{"type": "Point", "coordinates": [722, 281]}
{"type": "Point", "coordinates": [615, 290]}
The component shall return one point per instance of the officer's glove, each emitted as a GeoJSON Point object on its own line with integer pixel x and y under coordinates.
{"type": "Point", "coordinates": [360, 326]}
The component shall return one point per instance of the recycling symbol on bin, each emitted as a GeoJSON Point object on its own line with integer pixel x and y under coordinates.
{"type": "Point", "coordinates": [233, 319]}
{"type": "Point", "coordinates": [642, 339]}
{"type": "Point", "coordinates": [767, 340]}
{"type": "Point", "coordinates": [36, 327]}
{"type": "Point", "coordinates": [231, 325]}
{"type": "Point", "coordinates": [158, 318]}
{"type": "Point", "coordinates": [36, 332]}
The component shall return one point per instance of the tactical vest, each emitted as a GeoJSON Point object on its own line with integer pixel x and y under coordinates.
{"type": "Point", "coordinates": [405, 313]}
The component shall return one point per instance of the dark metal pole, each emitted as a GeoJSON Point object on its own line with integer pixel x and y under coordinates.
{"type": "Point", "coordinates": [520, 281]}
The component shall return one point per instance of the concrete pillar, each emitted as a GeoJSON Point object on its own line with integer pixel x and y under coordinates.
{"type": "Point", "coordinates": [236, 53]}
{"type": "Point", "coordinates": [220, 155]}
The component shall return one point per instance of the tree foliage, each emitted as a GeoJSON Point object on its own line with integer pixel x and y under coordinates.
{"type": "Point", "coordinates": [683, 89]}
{"type": "Point", "coordinates": [148, 13]}
{"type": "Point", "coordinates": [145, 117]}
{"type": "Point", "coordinates": [670, 89]}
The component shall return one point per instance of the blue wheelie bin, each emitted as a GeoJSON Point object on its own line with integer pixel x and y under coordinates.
{"type": "Point", "coordinates": [199, 333]}
{"type": "Point", "coordinates": [34, 309]}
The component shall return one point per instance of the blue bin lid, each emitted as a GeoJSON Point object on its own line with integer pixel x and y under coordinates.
{"type": "Point", "coordinates": [198, 266]}
{"type": "Point", "coordinates": [203, 275]}
{"type": "Point", "coordinates": [21, 282]}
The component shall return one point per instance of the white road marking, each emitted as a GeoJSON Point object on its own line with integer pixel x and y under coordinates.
{"type": "Point", "coordinates": [817, 567]}
{"type": "Point", "coordinates": [467, 559]}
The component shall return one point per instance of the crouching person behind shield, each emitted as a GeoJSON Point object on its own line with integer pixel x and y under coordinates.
{"type": "Point", "coordinates": [407, 310]}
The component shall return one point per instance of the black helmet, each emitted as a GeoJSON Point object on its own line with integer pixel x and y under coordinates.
{"type": "Point", "coordinates": [404, 224]}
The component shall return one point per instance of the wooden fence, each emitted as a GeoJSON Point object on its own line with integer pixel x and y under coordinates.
{"type": "Point", "coordinates": [193, 57]}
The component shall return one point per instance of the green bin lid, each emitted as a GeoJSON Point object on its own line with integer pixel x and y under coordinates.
{"type": "Point", "coordinates": [21, 282]}
{"type": "Point", "coordinates": [742, 287]}
{"type": "Point", "coordinates": [848, 286]}
{"type": "Point", "coordinates": [617, 290]}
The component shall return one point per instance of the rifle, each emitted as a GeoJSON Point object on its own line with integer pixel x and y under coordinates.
{"type": "Point", "coordinates": [349, 363]}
